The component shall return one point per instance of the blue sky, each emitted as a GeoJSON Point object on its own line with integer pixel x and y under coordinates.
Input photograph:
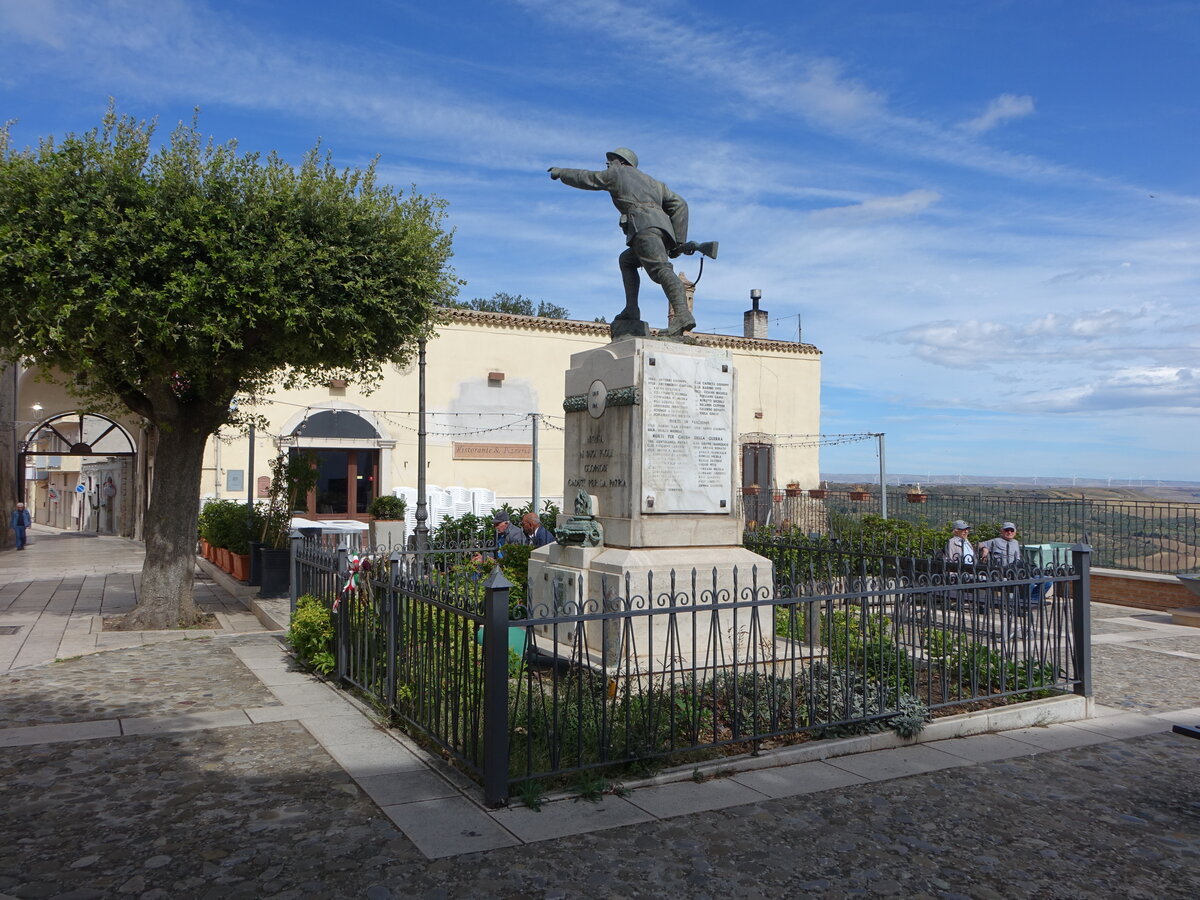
{"type": "Point", "coordinates": [985, 214]}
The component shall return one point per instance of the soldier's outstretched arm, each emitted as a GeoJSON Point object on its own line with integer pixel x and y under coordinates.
{"type": "Point", "coordinates": [583, 178]}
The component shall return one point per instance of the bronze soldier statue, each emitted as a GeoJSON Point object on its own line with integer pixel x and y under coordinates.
{"type": "Point", "coordinates": [655, 221]}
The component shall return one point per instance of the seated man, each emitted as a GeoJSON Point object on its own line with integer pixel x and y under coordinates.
{"type": "Point", "coordinates": [1004, 550]}
{"type": "Point", "coordinates": [958, 548]}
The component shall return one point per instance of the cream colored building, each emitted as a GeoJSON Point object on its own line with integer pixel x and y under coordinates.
{"type": "Point", "coordinates": [491, 380]}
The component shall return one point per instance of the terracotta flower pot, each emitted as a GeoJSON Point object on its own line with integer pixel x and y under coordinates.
{"type": "Point", "coordinates": [859, 496]}
{"type": "Point", "coordinates": [793, 490]}
{"type": "Point", "coordinates": [752, 490]}
{"type": "Point", "coordinates": [240, 566]}
{"type": "Point", "coordinates": [916, 498]}
{"type": "Point", "coordinates": [818, 493]}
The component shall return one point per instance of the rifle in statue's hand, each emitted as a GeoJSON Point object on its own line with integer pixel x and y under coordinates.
{"type": "Point", "coordinates": [708, 249]}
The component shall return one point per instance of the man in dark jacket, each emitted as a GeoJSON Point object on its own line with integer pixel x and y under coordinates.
{"type": "Point", "coordinates": [19, 521]}
{"type": "Point", "coordinates": [655, 221]}
{"type": "Point", "coordinates": [537, 534]}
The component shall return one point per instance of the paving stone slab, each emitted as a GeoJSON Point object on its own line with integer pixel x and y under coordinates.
{"type": "Point", "coordinates": [342, 723]}
{"type": "Point", "coordinates": [1180, 715]}
{"type": "Point", "coordinates": [449, 827]}
{"type": "Point", "coordinates": [1057, 737]}
{"type": "Point", "coordinates": [887, 764]}
{"type": "Point", "coordinates": [804, 778]}
{"type": "Point", "coordinates": [189, 722]}
{"type": "Point", "coordinates": [406, 787]}
{"type": "Point", "coordinates": [53, 734]}
{"type": "Point", "coordinates": [685, 797]}
{"type": "Point", "coordinates": [367, 758]}
{"type": "Point", "coordinates": [986, 747]}
{"type": "Point", "coordinates": [1120, 727]}
{"type": "Point", "coordinates": [305, 693]}
{"type": "Point", "coordinates": [281, 676]}
{"type": "Point", "coordinates": [566, 817]}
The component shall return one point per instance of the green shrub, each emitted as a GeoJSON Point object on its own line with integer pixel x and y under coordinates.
{"type": "Point", "coordinates": [228, 524]}
{"type": "Point", "coordinates": [311, 633]}
{"type": "Point", "coordinates": [864, 642]}
{"type": "Point", "coordinates": [387, 507]}
{"type": "Point", "coordinates": [979, 667]}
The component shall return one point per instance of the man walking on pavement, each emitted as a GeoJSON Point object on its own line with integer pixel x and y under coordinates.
{"type": "Point", "coordinates": [19, 521]}
{"type": "Point", "coordinates": [655, 221]}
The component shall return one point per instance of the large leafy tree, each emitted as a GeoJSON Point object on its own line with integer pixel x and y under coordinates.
{"type": "Point", "coordinates": [171, 280]}
{"type": "Point", "coordinates": [514, 304]}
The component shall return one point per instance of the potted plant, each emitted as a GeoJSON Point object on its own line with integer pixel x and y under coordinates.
{"type": "Point", "coordinates": [916, 495]}
{"type": "Point", "coordinates": [793, 489]}
{"type": "Point", "coordinates": [292, 477]}
{"type": "Point", "coordinates": [387, 529]}
{"type": "Point", "coordinates": [751, 490]}
{"type": "Point", "coordinates": [858, 493]}
{"type": "Point", "coordinates": [254, 573]}
{"type": "Point", "coordinates": [819, 493]}
{"type": "Point", "coordinates": [205, 526]}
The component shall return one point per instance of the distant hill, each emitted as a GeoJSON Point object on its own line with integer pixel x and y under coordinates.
{"type": "Point", "coordinates": [1095, 488]}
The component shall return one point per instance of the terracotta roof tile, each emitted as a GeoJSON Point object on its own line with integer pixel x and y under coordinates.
{"type": "Point", "coordinates": [600, 330]}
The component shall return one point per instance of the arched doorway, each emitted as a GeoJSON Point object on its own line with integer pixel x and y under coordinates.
{"type": "Point", "coordinates": [346, 449]}
{"type": "Point", "coordinates": [79, 473]}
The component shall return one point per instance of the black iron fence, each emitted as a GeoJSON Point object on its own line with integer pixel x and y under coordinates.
{"type": "Point", "coordinates": [689, 663]}
{"type": "Point", "coordinates": [1140, 535]}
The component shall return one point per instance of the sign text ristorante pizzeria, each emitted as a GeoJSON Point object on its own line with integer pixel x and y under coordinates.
{"type": "Point", "coordinates": [492, 451]}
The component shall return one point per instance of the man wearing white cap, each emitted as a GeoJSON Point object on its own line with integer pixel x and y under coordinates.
{"type": "Point", "coordinates": [1004, 550]}
{"type": "Point", "coordinates": [958, 548]}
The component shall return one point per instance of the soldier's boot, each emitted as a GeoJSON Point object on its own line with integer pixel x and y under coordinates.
{"type": "Point", "coordinates": [681, 317]}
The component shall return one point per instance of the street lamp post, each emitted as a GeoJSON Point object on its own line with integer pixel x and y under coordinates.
{"type": "Point", "coordinates": [883, 510]}
{"type": "Point", "coordinates": [421, 532]}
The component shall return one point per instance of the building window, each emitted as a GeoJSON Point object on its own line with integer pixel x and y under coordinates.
{"type": "Point", "coordinates": [347, 476]}
{"type": "Point", "coordinates": [346, 482]}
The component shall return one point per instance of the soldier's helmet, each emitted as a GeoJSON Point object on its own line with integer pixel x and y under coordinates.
{"type": "Point", "coordinates": [623, 153]}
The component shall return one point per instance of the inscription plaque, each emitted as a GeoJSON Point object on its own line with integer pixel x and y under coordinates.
{"type": "Point", "coordinates": [687, 434]}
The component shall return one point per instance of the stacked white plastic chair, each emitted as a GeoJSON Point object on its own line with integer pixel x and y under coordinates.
{"type": "Point", "coordinates": [461, 500]}
{"type": "Point", "coordinates": [483, 501]}
{"type": "Point", "coordinates": [441, 505]}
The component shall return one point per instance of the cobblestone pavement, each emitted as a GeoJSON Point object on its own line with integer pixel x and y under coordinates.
{"type": "Point", "coordinates": [157, 680]}
{"type": "Point", "coordinates": [262, 810]}
{"type": "Point", "coordinates": [55, 597]}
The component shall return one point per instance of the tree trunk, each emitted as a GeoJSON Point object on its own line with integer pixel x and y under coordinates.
{"type": "Point", "coordinates": [8, 451]}
{"type": "Point", "coordinates": [169, 570]}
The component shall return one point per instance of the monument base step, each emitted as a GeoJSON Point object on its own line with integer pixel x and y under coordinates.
{"type": "Point", "coordinates": [1186, 615]}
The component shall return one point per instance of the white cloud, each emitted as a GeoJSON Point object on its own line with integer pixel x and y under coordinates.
{"type": "Point", "coordinates": [1088, 324]}
{"type": "Point", "coordinates": [742, 61]}
{"type": "Point", "coordinates": [880, 207]}
{"type": "Point", "coordinates": [1001, 109]}
{"type": "Point", "coordinates": [1168, 389]}
{"type": "Point", "coordinates": [38, 22]}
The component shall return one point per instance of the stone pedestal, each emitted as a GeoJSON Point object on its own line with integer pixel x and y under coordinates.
{"type": "Point", "coordinates": [650, 435]}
